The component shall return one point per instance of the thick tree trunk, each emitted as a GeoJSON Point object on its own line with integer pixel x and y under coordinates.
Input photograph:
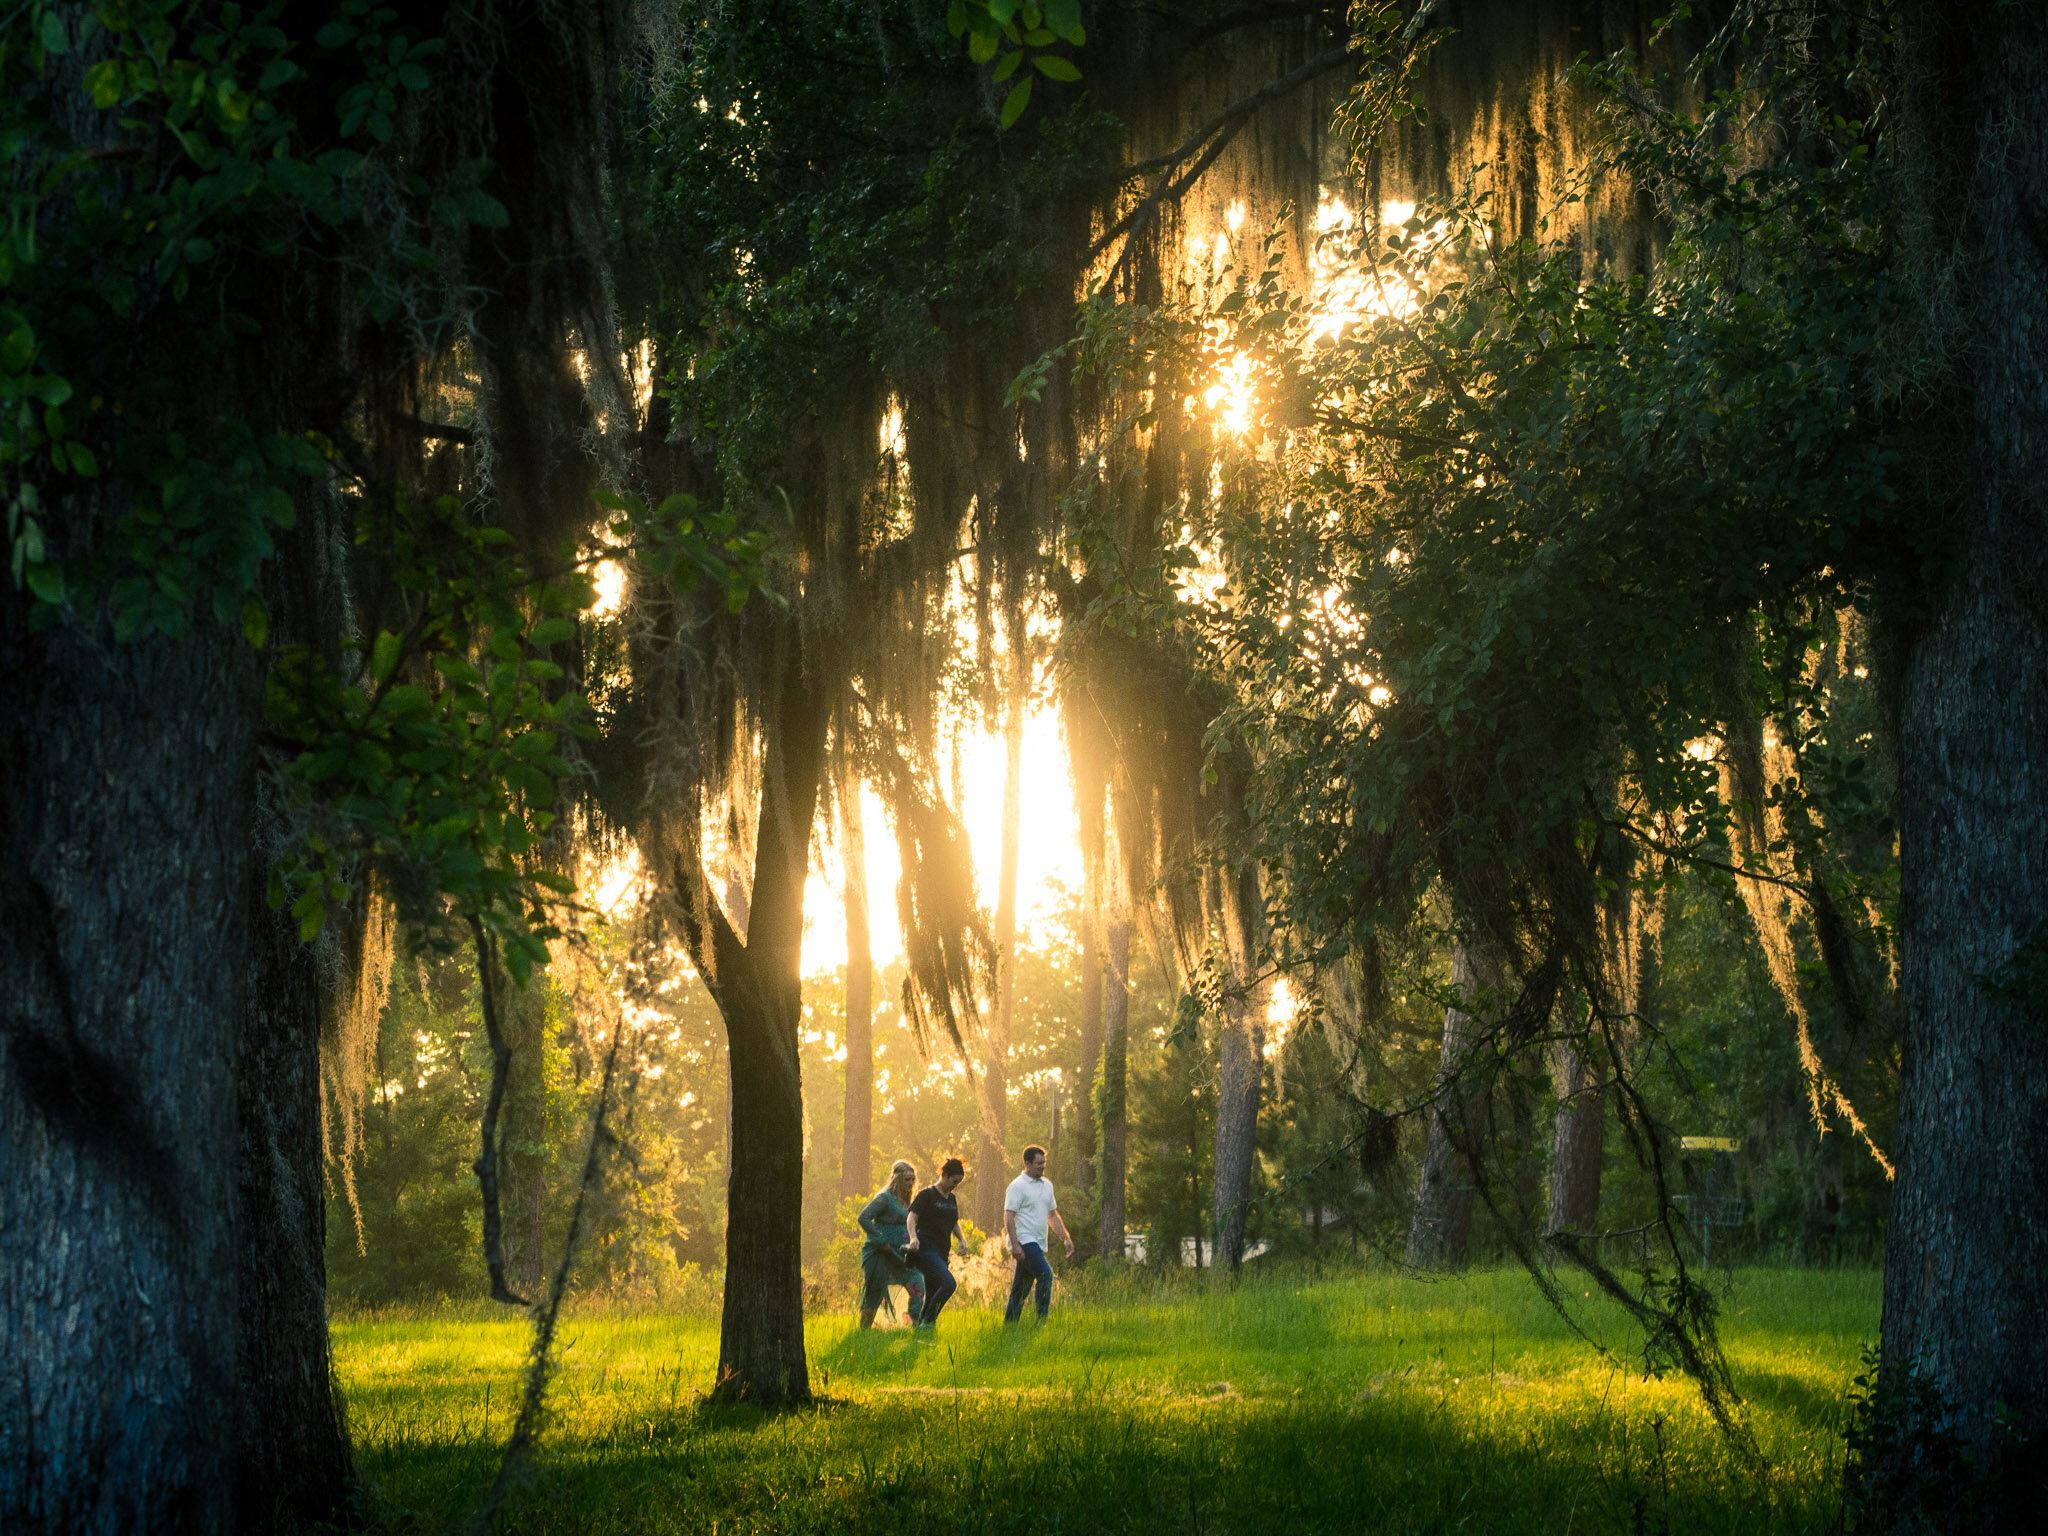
{"type": "Point", "coordinates": [1966, 1266]}
{"type": "Point", "coordinates": [757, 985]}
{"type": "Point", "coordinates": [856, 1152]}
{"type": "Point", "coordinates": [294, 1468]}
{"type": "Point", "coordinates": [1442, 1229]}
{"type": "Point", "coordinates": [995, 1129]}
{"type": "Point", "coordinates": [1240, 1058]}
{"type": "Point", "coordinates": [1111, 1088]}
{"type": "Point", "coordinates": [126, 796]}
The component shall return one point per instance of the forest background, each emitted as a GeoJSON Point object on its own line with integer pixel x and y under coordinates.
{"type": "Point", "coordinates": [403, 1221]}
{"type": "Point", "coordinates": [1532, 640]}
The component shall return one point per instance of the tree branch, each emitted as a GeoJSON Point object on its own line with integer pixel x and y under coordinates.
{"type": "Point", "coordinates": [1222, 128]}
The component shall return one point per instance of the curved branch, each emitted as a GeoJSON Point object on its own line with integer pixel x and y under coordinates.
{"type": "Point", "coordinates": [1216, 134]}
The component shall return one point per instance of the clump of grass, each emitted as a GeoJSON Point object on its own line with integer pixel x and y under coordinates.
{"type": "Point", "coordinates": [1367, 1402]}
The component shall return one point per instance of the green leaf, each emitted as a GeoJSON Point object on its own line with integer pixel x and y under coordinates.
{"type": "Point", "coordinates": [103, 83]}
{"type": "Point", "coordinates": [54, 38]}
{"type": "Point", "coordinates": [384, 655]}
{"type": "Point", "coordinates": [1008, 67]}
{"type": "Point", "coordinates": [255, 622]}
{"type": "Point", "coordinates": [1053, 67]}
{"type": "Point", "coordinates": [47, 583]}
{"type": "Point", "coordinates": [982, 46]}
{"type": "Point", "coordinates": [1002, 11]}
{"type": "Point", "coordinates": [956, 17]}
{"type": "Point", "coordinates": [82, 461]}
{"type": "Point", "coordinates": [1017, 101]}
{"type": "Point", "coordinates": [1064, 17]}
{"type": "Point", "coordinates": [552, 632]}
{"type": "Point", "coordinates": [311, 911]}
{"type": "Point", "coordinates": [18, 349]}
{"type": "Point", "coordinates": [411, 699]}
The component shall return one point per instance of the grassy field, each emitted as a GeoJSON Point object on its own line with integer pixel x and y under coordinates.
{"type": "Point", "coordinates": [1374, 1403]}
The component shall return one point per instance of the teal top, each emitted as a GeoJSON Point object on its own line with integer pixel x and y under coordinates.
{"type": "Point", "coordinates": [885, 1219]}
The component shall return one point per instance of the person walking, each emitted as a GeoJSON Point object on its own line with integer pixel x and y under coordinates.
{"type": "Point", "coordinates": [1028, 1209]}
{"type": "Point", "coordinates": [882, 1263]}
{"type": "Point", "coordinates": [934, 1218]}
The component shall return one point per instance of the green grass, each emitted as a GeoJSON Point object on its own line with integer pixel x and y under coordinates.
{"type": "Point", "coordinates": [1283, 1404]}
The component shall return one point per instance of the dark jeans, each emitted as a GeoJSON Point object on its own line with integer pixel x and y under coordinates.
{"type": "Point", "coordinates": [1032, 1267]}
{"type": "Point", "coordinates": [939, 1283]}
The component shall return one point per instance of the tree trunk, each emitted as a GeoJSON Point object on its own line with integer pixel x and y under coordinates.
{"type": "Point", "coordinates": [126, 793]}
{"type": "Point", "coordinates": [522, 1129]}
{"type": "Point", "coordinates": [1240, 1057]}
{"type": "Point", "coordinates": [1966, 1263]}
{"type": "Point", "coordinates": [1577, 1142]}
{"type": "Point", "coordinates": [757, 985]}
{"type": "Point", "coordinates": [294, 1467]}
{"type": "Point", "coordinates": [1082, 1115]}
{"type": "Point", "coordinates": [1442, 1229]}
{"type": "Point", "coordinates": [856, 1153]}
{"type": "Point", "coordinates": [1632, 926]}
{"type": "Point", "coordinates": [1111, 1088]}
{"type": "Point", "coordinates": [995, 1129]}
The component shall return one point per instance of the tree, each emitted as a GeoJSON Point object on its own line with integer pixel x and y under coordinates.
{"type": "Point", "coordinates": [856, 1159]}
{"type": "Point", "coordinates": [297, 206]}
{"type": "Point", "coordinates": [1969, 652]}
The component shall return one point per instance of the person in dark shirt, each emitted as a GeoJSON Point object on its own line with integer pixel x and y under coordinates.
{"type": "Point", "coordinates": [934, 1218]}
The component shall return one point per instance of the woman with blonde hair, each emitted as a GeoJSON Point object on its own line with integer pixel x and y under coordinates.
{"type": "Point", "coordinates": [883, 1262]}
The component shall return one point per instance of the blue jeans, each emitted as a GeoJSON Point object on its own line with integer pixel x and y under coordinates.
{"type": "Point", "coordinates": [1031, 1268]}
{"type": "Point", "coordinates": [939, 1283]}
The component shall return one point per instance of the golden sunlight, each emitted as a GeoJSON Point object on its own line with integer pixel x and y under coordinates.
{"type": "Point", "coordinates": [1049, 853]}
{"type": "Point", "coordinates": [608, 577]}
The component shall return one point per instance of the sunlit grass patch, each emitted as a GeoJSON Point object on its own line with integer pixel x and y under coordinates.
{"type": "Point", "coordinates": [1374, 1402]}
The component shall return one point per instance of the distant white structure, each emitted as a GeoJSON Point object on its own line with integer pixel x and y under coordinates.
{"type": "Point", "coordinates": [1138, 1246]}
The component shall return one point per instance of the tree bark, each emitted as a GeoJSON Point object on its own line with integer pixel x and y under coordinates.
{"type": "Point", "coordinates": [995, 1129]}
{"type": "Point", "coordinates": [1442, 1229]}
{"type": "Point", "coordinates": [1240, 1058]}
{"type": "Point", "coordinates": [1577, 1143]}
{"type": "Point", "coordinates": [856, 1155]}
{"type": "Point", "coordinates": [1966, 1265]}
{"type": "Point", "coordinates": [757, 985]}
{"type": "Point", "coordinates": [294, 1468]}
{"type": "Point", "coordinates": [1112, 1088]}
{"type": "Point", "coordinates": [127, 779]}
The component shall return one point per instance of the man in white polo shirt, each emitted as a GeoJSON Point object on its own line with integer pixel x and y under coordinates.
{"type": "Point", "coordinates": [1028, 1209]}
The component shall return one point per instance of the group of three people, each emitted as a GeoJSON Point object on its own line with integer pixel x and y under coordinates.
{"type": "Point", "coordinates": [910, 1240]}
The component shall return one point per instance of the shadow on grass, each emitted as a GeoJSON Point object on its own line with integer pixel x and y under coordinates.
{"type": "Point", "coordinates": [991, 1464]}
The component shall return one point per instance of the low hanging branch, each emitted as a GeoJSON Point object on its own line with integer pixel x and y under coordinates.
{"type": "Point", "coordinates": [487, 1160]}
